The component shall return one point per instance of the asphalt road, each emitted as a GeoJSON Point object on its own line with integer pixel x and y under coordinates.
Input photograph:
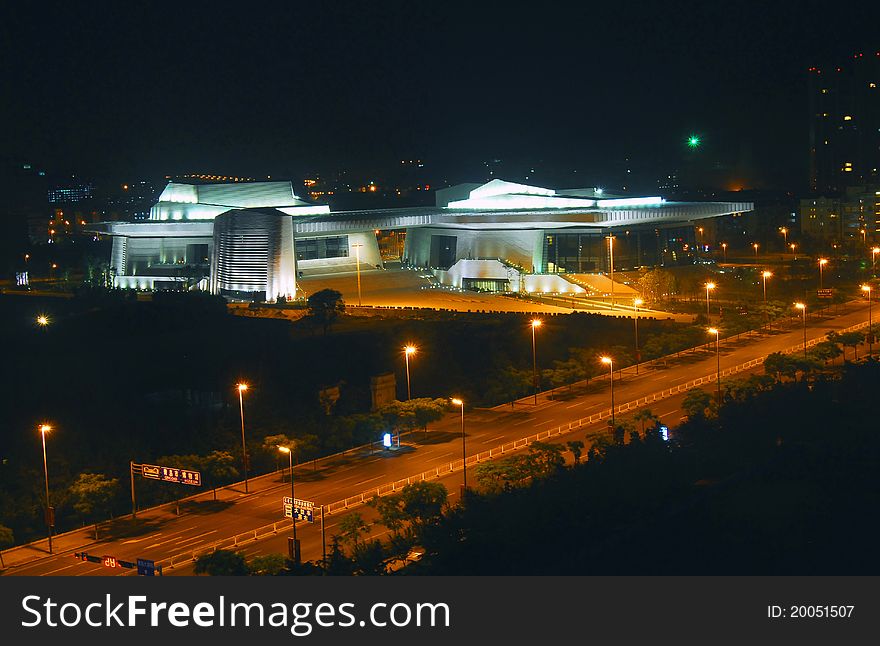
{"type": "Point", "coordinates": [160, 534]}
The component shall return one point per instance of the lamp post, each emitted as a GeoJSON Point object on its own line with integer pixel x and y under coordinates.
{"type": "Point", "coordinates": [874, 253]}
{"type": "Point", "coordinates": [289, 452]}
{"type": "Point", "coordinates": [50, 521]}
{"type": "Point", "coordinates": [357, 255]}
{"type": "Point", "coordinates": [755, 246]}
{"type": "Point", "coordinates": [867, 288]}
{"type": "Point", "coordinates": [822, 263]}
{"type": "Point", "coordinates": [407, 351]}
{"type": "Point", "coordinates": [724, 250]}
{"type": "Point", "coordinates": [611, 265]}
{"type": "Point", "coordinates": [765, 275]}
{"type": "Point", "coordinates": [709, 287]}
{"type": "Point", "coordinates": [784, 233]}
{"type": "Point", "coordinates": [636, 303]}
{"type": "Point", "coordinates": [536, 323]}
{"type": "Point", "coordinates": [717, 333]}
{"type": "Point", "coordinates": [700, 231]}
{"type": "Point", "coordinates": [793, 246]}
{"type": "Point", "coordinates": [458, 402]}
{"type": "Point", "coordinates": [803, 308]}
{"type": "Point", "coordinates": [244, 461]}
{"type": "Point", "coordinates": [610, 363]}
{"type": "Point", "coordinates": [43, 321]}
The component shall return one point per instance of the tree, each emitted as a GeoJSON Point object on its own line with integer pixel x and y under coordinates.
{"type": "Point", "coordinates": [325, 306]}
{"type": "Point", "coordinates": [427, 410]}
{"type": "Point", "coordinates": [352, 527]}
{"type": "Point", "coordinates": [645, 415]}
{"type": "Point", "coordinates": [337, 562]}
{"type": "Point", "coordinates": [576, 447]}
{"type": "Point", "coordinates": [852, 340]}
{"type": "Point", "coordinates": [496, 476]}
{"type": "Point", "coordinates": [697, 403]}
{"type": "Point", "coordinates": [780, 365]}
{"type": "Point", "coordinates": [508, 384]}
{"type": "Point", "coordinates": [222, 563]}
{"type": "Point", "coordinates": [268, 565]}
{"type": "Point", "coordinates": [218, 467]}
{"type": "Point", "coordinates": [825, 351]}
{"type": "Point", "coordinates": [391, 513]}
{"type": "Point", "coordinates": [92, 495]}
{"type": "Point", "coordinates": [544, 459]}
{"type": "Point", "coordinates": [7, 539]}
{"type": "Point", "coordinates": [423, 502]}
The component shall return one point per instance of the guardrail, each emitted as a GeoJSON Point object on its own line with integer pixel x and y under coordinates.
{"type": "Point", "coordinates": [451, 467]}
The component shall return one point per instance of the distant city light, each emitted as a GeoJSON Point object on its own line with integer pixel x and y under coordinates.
{"type": "Point", "coordinates": [693, 141]}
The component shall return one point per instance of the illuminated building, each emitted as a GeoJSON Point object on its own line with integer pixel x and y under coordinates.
{"type": "Point", "coordinates": [250, 240]}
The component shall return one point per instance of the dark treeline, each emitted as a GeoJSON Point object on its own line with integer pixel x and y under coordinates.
{"type": "Point", "coordinates": [783, 480]}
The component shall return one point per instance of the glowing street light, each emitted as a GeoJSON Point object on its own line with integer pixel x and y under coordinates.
{"type": "Point", "coordinates": [636, 303]}
{"type": "Point", "coordinates": [784, 233]}
{"type": "Point", "coordinates": [458, 402]}
{"type": "Point", "coordinates": [50, 519]}
{"type": "Point", "coordinates": [724, 250]}
{"type": "Point", "coordinates": [536, 323]}
{"type": "Point", "coordinates": [717, 333]}
{"type": "Point", "coordinates": [803, 308]}
{"type": "Point", "coordinates": [822, 263]}
{"type": "Point", "coordinates": [611, 266]}
{"type": "Point", "coordinates": [610, 363]}
{"type": "Point", "coordinates": [43, 320]}
{"type": "Point", "coordinates": [244, 461]}
{"type": "Point", "coordinates": [357, 254]}
{"type": "Point", "coordinates": [700, 231]}
{"type": "Point", "coordinates": [874, 253]}
{"type": "Point", "coordinates": [755, 247]}
{"type": "Point", "coordinates": [408, 350]}
{"type": "Point", "coordinates": [793, 246]}
{"type": "Point", "coordinates": [867, 289]}
{"type": "Point", "coordinates": [709, 287]}
{"type": "Point", "coordinates": [289, 452]}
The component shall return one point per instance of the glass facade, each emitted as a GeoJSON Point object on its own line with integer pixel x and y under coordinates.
{"type": "Point", "coordinates": [318, 248]}
{"type": "Point", "coordinates": [588, 251]}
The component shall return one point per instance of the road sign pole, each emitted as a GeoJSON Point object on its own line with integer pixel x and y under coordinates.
{"type": "Point", "coordinates": [133, 499]}
{"type": "Point", "coordinates": [323, 542]}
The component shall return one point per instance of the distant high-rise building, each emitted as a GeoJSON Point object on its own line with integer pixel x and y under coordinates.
{"type": "Point", "coordinates": [844, 103]}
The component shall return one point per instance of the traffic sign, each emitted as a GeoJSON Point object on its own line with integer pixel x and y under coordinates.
{"type": "Point", "coordinates": [146, 567]}
{"type": "Point", "coordinates": [172, 474]}
{"type": "Point", "coordinates": [301, 509]}
{"type": "Point", "coordinates": [828, 292]}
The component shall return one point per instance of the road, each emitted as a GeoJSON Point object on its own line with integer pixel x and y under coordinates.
{"type": "Point", "coordinates": [160, 534]}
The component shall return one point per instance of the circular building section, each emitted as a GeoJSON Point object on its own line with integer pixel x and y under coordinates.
{"type": "Point", "coordinates": [253, 255]}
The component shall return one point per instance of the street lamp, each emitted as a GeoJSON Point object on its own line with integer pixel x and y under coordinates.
{"type": "Point", "coordinates": [784, 233]}
{"type": "Point", "coordinates": [700, 231]}
{"type": "Point", "coordinates": [407, 351]}
{"type": "Point", "coordinates": [822, 263]}
{"type": "Point", "coordinates": [755, 246]}
{"type": "Point", "coordinates": [244, 461]}
{"type": "Point", "coordinates": [50, 521]}
{"type": "Point", "coordinates": [636, 303]}
{"type": "Point", "coordinates": [709, 287]}
{"type": "Point", "coordinates": [458, 402]}
{"type": "Point", "coordinates": [716, 332]}
{"type": "Point", "coordinates": [724, 250]}
{"type": "Point", "coordinates": [867, 288]}
{"type": "Point", "coordinates": [536, 323]}
{"type": "Point", "coordinates": [793, 246]}
{"type": "Point", "coordinates": [765, 275]}
{"type": "Point", "coordinates": [357, 254]}
{"type": "Point", "coordinates": [610, 363]}
{"type": "Point", "coordinates": [874, 253]}
{"type": "Point", "coordinates": [803, 308]}
{"type": "Point", "coordinates": [289, 452]}
{"type": "Point", "coordinates": [43, 320]}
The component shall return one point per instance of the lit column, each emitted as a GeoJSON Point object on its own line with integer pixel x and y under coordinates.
{"type": "Point", "coordinates": [244, 461]}
{"type": "Point", "coordinates": [536, 323]}
{"type": "Point", "coordinates": [407, 352]}
{"type": "Point", "coordinates": [867, 289]}
{"type": "Point", "coordinates": [50, 521]}
{"type": "Point", "coordinates": [357, 254]}
{"type": "Point", "coordinates": [717, 333]}
{"type": "Point", "coordinates": [636, 303]}
{"type": "Point", "coordinates": [822, 263]}
{"type": "Point", "coordinates": [709, 287]}
{"type": "Point", "coordinates": [610, 363]}
{"type": "Point", "coordinates": [611, 265]}
{"type": "Point", "coordinates": [803, 308]}
{"type": "Point", "coordinates": [460, 403]}
{"type": "Point", "coordinates": [289, 452]}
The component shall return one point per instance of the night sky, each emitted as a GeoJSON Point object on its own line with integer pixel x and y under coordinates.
{"type": "Point", "coordinates": [136, 89]}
